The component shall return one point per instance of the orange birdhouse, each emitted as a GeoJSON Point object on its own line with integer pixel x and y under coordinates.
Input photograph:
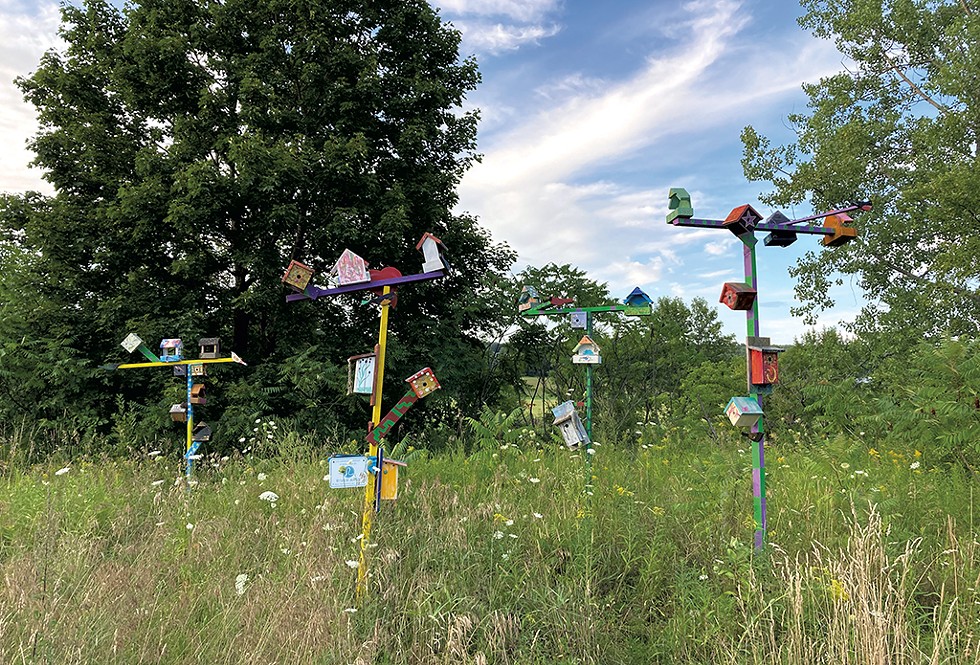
{"type": "Point", "coordinates": [423, 382]}
{"type": "Point", "coordinates": [842, 233]}
{"type": "Point", "coordinates": [197, 394]}
{"type": "Point", "coordinates": [764, 365]}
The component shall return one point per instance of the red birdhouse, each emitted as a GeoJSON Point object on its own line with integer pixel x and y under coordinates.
{"type": "Point", "coordinates": [742, 220]}
{"type": "Point", "coordinates": [423, 382]}
{"type": "Point", "coordinates": [737, 295]}
{"type": "Point", "coordinates": [764, 365]}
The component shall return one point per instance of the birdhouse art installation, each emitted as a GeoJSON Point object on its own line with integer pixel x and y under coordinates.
{"type": "Point", "coordinates": [171, 350]}
{"type": "Point", "coordinates": [432, 259]}
{"type": "Point", "coordinates": [350, 269]}
{"type": "Point", "coordinates": [210, 347]}
{"type": "Point", "coordinates": [742, 220]}
{"type": "Point", "coordinates": [737, 295]}
{"type": "Point", "coordinates": [197, 394]}
{"type": "Point", "coordinates": [842, 234]}
{"type": "Point", "coordinates": [389, 479]}
{"type": "Point", "coordinates": [586, 352]}
{"type": "Point", "coordinates": [579, 320]}
{"type": "Point", "coordinates": [178, 413]}
{"type": "Point", "coordinates": [528, 298]}
{"type": "Point", "coordinates": [423, 382]}
{"type": "Point", "coordinates": [779, 237]}
{"type": "Point", "coordinates": [570, 425]}
{"type": "Point", "coordinates": [637, 303]}
{"type": "Point", "coordinates": [743, 411]}
{"type": "Point", "coordinates": [763, 361]}
{"type": "Point", "coordinates": [361, 373]}
{"type": "Point", "coordinates": [202, 432]}
{"type": "Point", "coordinates": [680, 204]}
{"type": "Point", "coordinates": [297, 275]}
{"type": "Point", "coordinates": [132, 342]}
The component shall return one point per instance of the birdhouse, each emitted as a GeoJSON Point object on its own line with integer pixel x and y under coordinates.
{"type": "Point", "coordinates": [779, 237]}
{"type": "Point", "coordinates": [737, 295]}
{"type": "Point", "coordinates": [579, 320]}
{"type": "Point", "coordinates": [586, 352]}
{"type": "Point", "coordinates": [637, 303]}
{"type": "Point", "coordinates": [180, 370]}
{"type": "Point", "coordinates": [350, 269]}
{"type": "Point", "coordinates": [210, 347]}
{"type": "Point", "coordinates": [680, 205]}
{"type": "Point", "coordinates": [528, 298]}
{"type": "Point", "coordinates": [570, 425]}
{"type": "Point", "coordinates": [361, 373]}
{"type": "Point", "coordinates": [432, 259]}
{"type": "Point", "coordinates": [197, 394]}
{"type": "Point", "coordinates": [389, 479]}
{"type": "Point", "coordinates": [556, 301]}
{"type": "Point", "coordinates": [742, 220]}
{"type": "Point", "coordinates": [171, 350]}
{"type": "Point", "coordinates": [297, 275]}
{"type": "Point", "coordinates": [132, 342]}
{"type": "Point", "coordinates": [199, 370]}
{"type": "Point", "coordinates": [202, 432]}
{"type": "Point", "coordinates": [842, 234]}
{"type": "Point", "coordinates": [178, 413]}
{"type": "Point", "coordinates": [423, 382]}
{"type": "Point", "coordinates": [743, 411]}
{"type": "Point", "coordinates": [763, 363]}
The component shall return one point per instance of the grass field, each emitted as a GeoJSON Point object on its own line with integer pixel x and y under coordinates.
{"type": "Point", "coordinates": [496, 557]}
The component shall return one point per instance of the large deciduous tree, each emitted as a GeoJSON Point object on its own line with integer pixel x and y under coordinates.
{"type": "Point", "coordinates": [900, 126]}
{"type": "Point", "coordinates": [196, 146]}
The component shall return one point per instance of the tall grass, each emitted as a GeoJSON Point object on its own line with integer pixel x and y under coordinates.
{"type": "Point", "coordinates": [495, 557]}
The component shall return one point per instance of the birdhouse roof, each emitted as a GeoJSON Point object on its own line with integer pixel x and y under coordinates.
{"type": "Point", "coordinates": [745, 214]}
{"type": "Point", "coordinates": [424, 237]}
{"type": "Point", "coordinates": [637, 297]}
{"type": "Point", "coordinates": [745, 405]}
{"type": "Point", "coordinates": [586, 341]}
{"type": "Point", "coordinates": [425, 371]}
{"type": "Point", "coordinates": [766, 349]}
{"type": "Point", "coordinates": [170, 342]}
{"type": "Point", "coordinates": [210, 341]}
{"type": "Point", "coordinates": [348, 257]}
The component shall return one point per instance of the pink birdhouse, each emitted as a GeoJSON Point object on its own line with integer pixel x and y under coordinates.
{"type": "Point", "coordinates": [350, 269]}
{"type": "Point", "coordinates": [423, 382]}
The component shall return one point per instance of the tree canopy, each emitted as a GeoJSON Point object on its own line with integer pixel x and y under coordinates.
{"type": "Point", "coordinates": [900, 126]}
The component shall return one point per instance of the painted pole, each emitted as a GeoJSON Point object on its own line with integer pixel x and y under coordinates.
{"type": "Point", "coordinates": [189, 466]}
{"type": "Point", "coordinates": [752, 327]}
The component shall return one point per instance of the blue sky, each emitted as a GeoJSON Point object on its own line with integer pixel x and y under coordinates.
{"type": "Point", "coordinates": [591, 111]}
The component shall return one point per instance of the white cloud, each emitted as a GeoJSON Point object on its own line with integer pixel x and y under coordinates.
{"type": "Point", "coordinates": [517, 10]}
{"type": "Point", "coordinates": [494, 38]}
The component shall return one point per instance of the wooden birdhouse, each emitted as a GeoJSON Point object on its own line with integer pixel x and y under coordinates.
{"type": "Point", "coordinates": [586, 352]}
{"type": "Point", "coordinates": [743, 411]}
{"type": "Point", "coordinates": [528, 298]}
{"type": "Point", "coordinates": [180, 370]}
{"type": "Point", "coordinates": [579, 320]}
{"type": "Point", "coordinates": [432, 258]}
{"type": "Point", "coordinates": [742, 220]}
{"type": "Point", "coordinates": [197, 394]}
{"type": "Point", "coordinates": [171, 350]}
{"type": "Point", "coordinates": [297, 275]}
{"type": "Point", "coordinates": [637, 303]}
{"type": "Point", "coordinates": [423, 382]}
{"type": "Point", "coordinates": [680, 205]}
{"type": "Point", "coordinates": [202, 432]}
{"type": "Point", "coordinates": [361, 374]}
{"type": "Point", "coordinates": [737, 295]}
{"type": "Point", "coordinates": [763, 362]}
{"type": "Point", "coordinates": [210, 347]}
{"type": "Point", "coordinates": [570, 425]}
{"type": "Point", "coordinates": [132, 342]}
{"type": "Point", "coordinates": [389, 479]}
{"type": "Point", "coordinates": [199, 370]}
{"type": "Point", "coordinates": [842, 234]}
{"type": "Point", "coordinates": [178, 413]}
{"type": "Point", "coordinates": [779, 237]}
{"type": "Point", "coordinates": [350, 269]}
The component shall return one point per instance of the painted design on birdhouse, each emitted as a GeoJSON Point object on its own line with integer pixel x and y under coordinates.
{"type": "Point", "coordinates": [637, 303]}
{"type": "Point", "coordinates": [171, 350]}
{"type": "Point", "coordinates": [680, 204]}
{"type": "Point", "coordinates": [842, 233]}
{"type": "Point", "coordinates": [570, 425]}
{"type": "Point", "coordinates": [763, 361]}
{"type": "Point", "coordinates": [528, 298]}
{"type": "Point", "coordinates": [579, 320]}
{"type": "Point", "coordinates": [350, 269]}
{"type": "Point", "coordinates": [202, 432]}
{"type": "Point", "coordinates": [432, 258]}
{"type": "Point", "coordinates": [423, 382]}
{"type": "Point", "coordinates": [586, 352]}
{"type": "Point", "coordinates": [132, 342]}
{"type": "Point", "coordinates": [197, 394]}
{"type": "Point", "coordinates": [210, 347]}
{"type": "Point", "coordinates": [743, 411]}
{"type": "Point", "coordinates": [742, 220]}
{"type": "Point", "coordinates": [297, 275]}
{"type": "Point", "coordinates": [737, 295]}
{"type": "Point", "coordinates": [361, 374]}
{"type": "Point", "coordinates": [178, 413]}
{"type": "Point", "coordinates": [198, 370]}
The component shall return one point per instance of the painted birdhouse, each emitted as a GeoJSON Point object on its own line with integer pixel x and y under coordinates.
{"type": "Point", "coordinates": [579, 320]}
{"type": "Point", "coordinates": [361, 373]}
{"type": "Point", "coordinates": [389, 479]}
{"type": "Point", "coordinates": [171, 350]}
{"type": "Point", "coordinates": [779, 237]}
{"type": "Point", "coordinates": [423, 382]}
{"type": "Point", "coordinates": [199, 370]}
{"type": "Point", "coordinates": [558, 301]}
{"type": "Point", "coordinates": [132, 342]}
{"type": "Point", "coordinates": [680, 205]}
{"type": "Point", "coordinates": [842, 234]}
{"type": "Point", "coordinates": [350, 269]}
{"type": "Point", "coordinates": [637, 303]}
{"type": "Point", "coordinates": [197, 394]}
{"type": "Point", "coordinates": [180, 370]}
{"type": "Point", "coordinates": [178, 413]}
{"type": "Point", "coordinates": [743, 411]}
{"type": "Point", "coordinates": [210, 347]}
{"type": "Point", "coordinates": [528, 298]}
{"type": "Point", "coordinates": [202, 432]}
{"type": "Point", "coordinates": [763, 363]}
{"type": "Point", "coordinates": [586, 352]}
{"type": "Point", "coordinates": [297, 275]}
{"type": "Point", "coordinates": [570, 425]}
{"type": "Point", "coordinates": [737, 295]}
{"type": "Point", "coordinates": [432, 258]}
{"type": "Point", "coordinates": [742, 220]}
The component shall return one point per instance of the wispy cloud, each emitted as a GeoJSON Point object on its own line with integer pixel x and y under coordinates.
{"type": "Point", "coordinates": [493, 38]}
{"type": "Point", "coordinates": [491, 27]}
{"type": "Point", "coordinates": [518, 10]}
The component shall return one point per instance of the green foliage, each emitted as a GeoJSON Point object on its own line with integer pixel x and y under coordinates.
{"type": "Point", "coordinates": [899, 127]}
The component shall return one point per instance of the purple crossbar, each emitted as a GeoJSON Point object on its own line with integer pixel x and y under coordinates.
{"type": "Point", "coordinates": [314, 292]}
{"type": "Point", "coordinates": [763, 226]}
{"type": "Point", "coordinates": [851, 208]}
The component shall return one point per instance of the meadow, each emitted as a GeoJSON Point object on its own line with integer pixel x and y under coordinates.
{"type": "Point", "coordinates": [493, 553]}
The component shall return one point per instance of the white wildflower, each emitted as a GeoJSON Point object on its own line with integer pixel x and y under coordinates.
{"type": "Point", "coordinates": [534, 480]}
{"type": "Point", "coordinates": [537, 515]}
{"type": "Point", "coordinates": [190, 526]}
{"type": "Point", "coordinates": [269, 496]}
{"type": "Point", "coordinates": [157, 483]}
{"type": "Point", "coordinates": [914, 465]}
{"type": "Point", "coordinates": [352, 563]}
{"type": "Point", "coordinates": [153, 453]}
{"type": "Point", "coordinates": [497, 535]}
{"type": "Point", "coordinates": [62, 471]}
{"type": "Point", "coordinates": [261, 476]}
{"type": "Point", "coordinates": [240, 581]}
{"type": "Point", "coordinates": [351, 610]}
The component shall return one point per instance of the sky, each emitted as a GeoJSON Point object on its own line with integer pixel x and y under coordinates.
{"type": "Point", "coordinates": [590, 112]}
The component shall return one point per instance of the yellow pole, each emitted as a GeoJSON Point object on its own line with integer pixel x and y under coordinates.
{"type": "Point", "coordinates": [368, 513]}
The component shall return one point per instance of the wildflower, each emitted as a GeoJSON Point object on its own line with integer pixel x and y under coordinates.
{"type": "Point", "coordinates": [860, 473]}
{"type": "Point", "coordinates": [351, 563]}
{"type": "Point", "coordinates": [269, 495]}
{"type": "Point", "coordinates": [241, 440]}
{"type": "Point", "coordinates": [497, 535]}
{"type": "Point", "coordinates": [261, 476]}
{"type": "Point", "coordinates": [497, 517]}
{"type": "Point", "coordinates": [591, 451]}
{"type": "Point", "coordinates": [874, 453]}
{"type": "Point", "coordinates": [658, 511]}
{"type": "Point", "coordinates": [62, 471]}
{"type": "Point", "coordinates": [838, 592]}
{"type": "Point", "coordinates": [351, 610]}
{"type": "Point", "coordinates": [534, 481]}
{"type": "Point", "coordinates": [258, 420]}
{"type": "Point", "coordinates": [702, 577]}
{"type": "Point", "coordinates": [845, 465]}
{"type": "Point", "coordinates": [537, 515]}
{"type": "Point", "coordinates": [190, 526]}
{"type": "Point", "coordinates": [240, 581]}
{"type": "Point", "coordinates": [153, 453]}
{"type": "Point", "coordinates": [156, 483]}
{"type": "Point", "coordinates": [512, 535]}
{"type": "Point", "coordinates": [914, 465]}
{"type": "Point", "coordinates": [509, 523]}
{"type": "Point", "coordinates": [917, 453]}
{"type": "Point", "coordinates": [780, 459]}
